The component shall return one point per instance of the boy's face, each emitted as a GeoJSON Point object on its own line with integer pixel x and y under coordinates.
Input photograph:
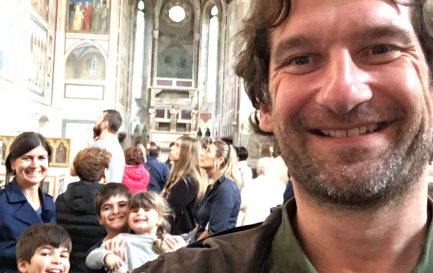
{"type": "Point", "coordinates": [47, 259]}
{"type": "Point", "coordinates": [114, 214]}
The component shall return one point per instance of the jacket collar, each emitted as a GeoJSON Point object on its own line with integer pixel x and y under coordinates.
{"type": "Point", "coordinates": [25, 213]}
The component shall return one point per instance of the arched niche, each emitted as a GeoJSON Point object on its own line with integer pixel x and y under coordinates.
{"type": "Point", "coordinates": [85, 62]}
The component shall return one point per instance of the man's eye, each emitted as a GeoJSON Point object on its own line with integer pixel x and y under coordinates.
{"type": "Point", "coordinates": [380, 49]}
{"type": "Point", "coordinates": [300, 60]}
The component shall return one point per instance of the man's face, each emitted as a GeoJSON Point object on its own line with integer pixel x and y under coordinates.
{"type": "Point", "coordinates": [100, 124]}
{"type": "Point", "coordinates": [47, 259]}
{"type": "Point", "coordinates": [351, 106]}
{"type": "Point", "coordinates": [114, 214]}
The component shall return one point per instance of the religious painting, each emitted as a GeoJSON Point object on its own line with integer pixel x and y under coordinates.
{"type": "Point", "coordinates": [60, 152]}
{"type": "Point", "coordinates": [49, 185]}
{"type": "Point", "coordinates": [88, 16]}
{"type": "Point", "coordinates": [42, 8]}
{"type": "Point", "coordinates": [5, 143]}
{"type": "Point", "coordinates": [60, 186]}
{"type": "Point", "coordinates": [85, 62]}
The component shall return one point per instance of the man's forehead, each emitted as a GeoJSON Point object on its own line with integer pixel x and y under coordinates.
{"type": "Point", "coordinates": [319, 23]}
{"type": "Point", "coordinates": [309, 13]}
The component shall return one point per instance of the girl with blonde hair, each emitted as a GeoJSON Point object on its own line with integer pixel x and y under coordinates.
{"type": "Point", "coordinates": [186, 184]}
{"type": "Point", "coordinates": [220, 207]}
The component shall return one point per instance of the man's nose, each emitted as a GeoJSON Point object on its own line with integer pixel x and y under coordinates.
{"type": "Point", "coordinates": [115, 209]}
{"type": "Point", "coordinates": [344, 85]}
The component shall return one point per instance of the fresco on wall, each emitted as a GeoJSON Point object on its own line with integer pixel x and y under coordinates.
{"type": "Point", "coordinates": [85, 63]}
{"type": "Point", "coordinates": [90, 16]}
{"type": "Point", "coordinates": [41, 7]}
{"type": "Point", "coordinates": [175, 42]}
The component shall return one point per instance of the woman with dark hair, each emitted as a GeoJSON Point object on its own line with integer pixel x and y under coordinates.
{"type": "Point", "coordinates": [22, 202]}
{"type": "Point", "coordinates": [136, 177]}
{"type": "Point", "coordinates": [76, 210]}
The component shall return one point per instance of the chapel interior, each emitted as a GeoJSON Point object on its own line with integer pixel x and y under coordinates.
{"type": "Point", "coordinates": [166, 65]}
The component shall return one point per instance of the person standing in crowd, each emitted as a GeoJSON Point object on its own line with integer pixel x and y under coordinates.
{"type": "Point", "coordinates": [221, 203]}
{"type": "Point", "coordinates": [135, 177]}
{"type": "Point", "coordinates": [105, 130]}
{"type": "Point", "coordinates": [345, 87]}
{"type": "Point", "coordinates": [75, 207]}
{"type": "Point", "coordinates": [262, 193]}
{"type": "Point", "coordinates": [159, 172]}
{"type": "Point", "coordinates": [22, 202]}
{"type": "Point", "coordinates": [244, 169]}
{"type": "Point", "coordinates": [186, 184]}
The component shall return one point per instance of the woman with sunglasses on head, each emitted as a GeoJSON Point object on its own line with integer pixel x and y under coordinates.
{"type": "Point", "coordinates": [221, 203]}
{"type": "Point", "coordinates": [22, 202]}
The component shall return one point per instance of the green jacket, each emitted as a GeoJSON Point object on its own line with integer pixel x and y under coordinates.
{"type": "Point", "coordinates": [241, 250]}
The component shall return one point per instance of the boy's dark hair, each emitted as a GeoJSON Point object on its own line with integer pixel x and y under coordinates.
{"type": "Point", "coordinates": [242, 153]}
{"type": "Point", "coordinates": [109, 190]}
{"type": "Point", "coordinates": [39, 235]}
{"type": "Point", "coordinates": [154, 151]}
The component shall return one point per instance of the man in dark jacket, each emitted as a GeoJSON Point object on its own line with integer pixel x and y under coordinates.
{"type": "Point", "coordinates": [159, 172]}
{"type": "Point", "coordinates": [345, 87]}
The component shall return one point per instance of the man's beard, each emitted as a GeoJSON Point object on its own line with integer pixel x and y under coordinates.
{"type": "Point", "coordinates": [362, 184]}
{"type": "Point", "coordinates": [96, 131]}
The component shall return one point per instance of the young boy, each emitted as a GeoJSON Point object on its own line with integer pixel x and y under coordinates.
{"type": "Point", "coordinates": [112, 207]}
{"type": "Point", "coordinates": [44, 248]}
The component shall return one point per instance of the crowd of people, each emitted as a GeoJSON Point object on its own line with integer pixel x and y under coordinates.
{"type": "Point", "coordinates": [123, 213]}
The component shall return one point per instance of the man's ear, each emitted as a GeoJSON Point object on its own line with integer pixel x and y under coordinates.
{"type": "Point", "coordinates": [265, 119]}
{"type": "Point", "coordinates": [23, 266]}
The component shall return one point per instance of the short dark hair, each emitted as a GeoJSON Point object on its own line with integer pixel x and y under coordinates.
{"type": "Point", "coordinates": [90, 163]}
{"type": "Point", "coordinates": [109, 190]}
{"type": "Point", "coordinates": [114, 120]}
{"type": "Point", "coordinates": [154, 151]}
{"type": "Point", "coordinates": [39, 235]}
{"type": "Point", "coordinates": [22, 144]}
{"type": "Point", "coordinates": [134, 156]}
{"type": "Point", "coordinates": [242, 153]}
{"type": "Point", "coordinates": [121, 136]}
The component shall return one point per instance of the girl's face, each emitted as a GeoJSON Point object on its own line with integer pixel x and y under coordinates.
{"type": "Point", "coordinates": [144, 220]}
{"type": "Point", "coordinates": [31, 168]}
